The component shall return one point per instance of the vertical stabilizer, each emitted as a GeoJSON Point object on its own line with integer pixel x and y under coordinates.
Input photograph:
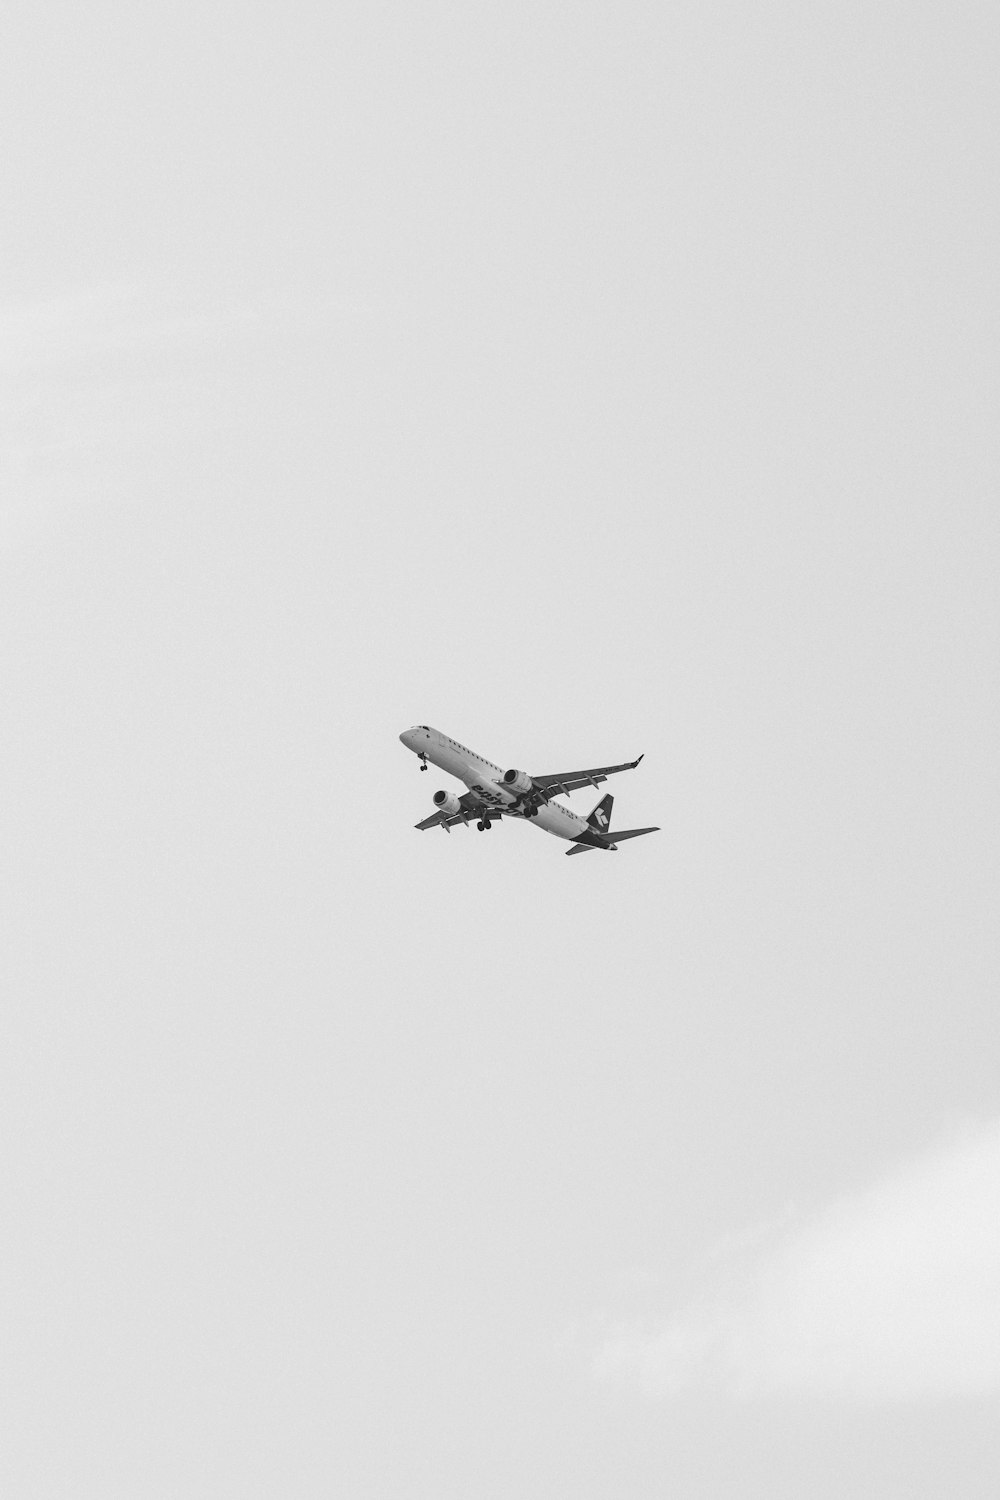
{"type": "Point", "coordinates": [600, 818]}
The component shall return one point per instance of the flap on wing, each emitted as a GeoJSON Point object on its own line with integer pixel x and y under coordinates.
{"type": "Point", "coordinates": [477, 812]}
{"type": "Point", "coordinates": [472, 807]}
{"type": "Point", "coordinates": [571, 781]}
{"type": "Point", "coordinates": [432, 821]}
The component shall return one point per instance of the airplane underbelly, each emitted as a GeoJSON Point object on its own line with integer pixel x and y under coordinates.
{"type": "Point", "coordinates": [555, 820]}
{"type": "Point", "coordinates": [487, 791]}
{"type": "Point", "coordinates": [446, 761]}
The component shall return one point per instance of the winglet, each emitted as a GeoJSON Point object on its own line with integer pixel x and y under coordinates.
{"type": "Point", "coordinates": [636, 762]}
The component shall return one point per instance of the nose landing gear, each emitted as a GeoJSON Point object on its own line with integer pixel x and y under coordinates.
{"type": "Point", "coordinates": [423, 762]}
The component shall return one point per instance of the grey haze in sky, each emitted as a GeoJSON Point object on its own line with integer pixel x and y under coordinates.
{"type": "Point", "coordinates": [585, 381]}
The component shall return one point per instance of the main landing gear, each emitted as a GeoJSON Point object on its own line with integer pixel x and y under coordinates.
{"type": "Point", "coordinates": [484, 825]}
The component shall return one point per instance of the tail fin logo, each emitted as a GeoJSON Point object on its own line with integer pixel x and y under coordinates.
{"type": "Point", "coordinates": [600, 818]}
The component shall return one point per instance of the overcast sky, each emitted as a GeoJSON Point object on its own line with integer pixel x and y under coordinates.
{"type": "Point", "coordinates": [585, 381]}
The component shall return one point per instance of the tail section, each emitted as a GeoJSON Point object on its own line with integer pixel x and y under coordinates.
{"type": "Point", "coordinates": [600, 818]}
{"type": "Point", "coordinates": [598, 835]}
{"type": "Point", "coordinates": [591, 839]}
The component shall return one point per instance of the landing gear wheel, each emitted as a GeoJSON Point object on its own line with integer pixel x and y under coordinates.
{"type": "Point", "coordinates": [487, 824]}
{"type": "Point", "coordinates": [481, 827]}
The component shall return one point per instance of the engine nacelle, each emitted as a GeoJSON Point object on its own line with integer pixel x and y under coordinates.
{"type": "Point", "coordinates": [447, 802]}
{"type": "Point", "coordinates": [518, 781]}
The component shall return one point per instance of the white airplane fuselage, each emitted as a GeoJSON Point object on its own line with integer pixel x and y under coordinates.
{"type": "Point", "coordinates": [485, 779]}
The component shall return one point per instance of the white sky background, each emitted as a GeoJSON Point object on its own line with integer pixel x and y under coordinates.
{"type": "Point", "coordinates": [585, 381]}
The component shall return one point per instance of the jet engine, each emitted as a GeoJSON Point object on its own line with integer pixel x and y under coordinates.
{"type": "Point", "coordinates": [447, 802]}
{"type": "Point", "coordinates": [518, 781]}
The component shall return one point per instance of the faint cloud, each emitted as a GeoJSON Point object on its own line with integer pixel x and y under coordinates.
{"type": "Point", "coordinates": [890, 1295]}
{"type": "Point", "coordinates": [92, 380]}
{"type": "Point", "coordinates": [126, 318]}
{"type": "Point", "coordinates": [76, 328]}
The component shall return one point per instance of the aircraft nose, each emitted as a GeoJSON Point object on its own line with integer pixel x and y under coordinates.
{"type": "Point", "coordinates": [406, 737]}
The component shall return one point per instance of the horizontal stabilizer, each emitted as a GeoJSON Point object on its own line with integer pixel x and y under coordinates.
{"type": "Point", "coordinates": [630, 833]}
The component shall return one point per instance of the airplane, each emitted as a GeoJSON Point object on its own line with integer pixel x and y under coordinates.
{"type": "Point", "coordinates": [494, 793]}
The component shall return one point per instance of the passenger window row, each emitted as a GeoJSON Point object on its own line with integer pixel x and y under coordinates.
{"type": "Point", "coordinates": [466, 750]}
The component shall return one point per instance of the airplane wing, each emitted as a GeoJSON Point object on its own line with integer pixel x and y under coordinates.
{"type": "Point", "coordinates": [570, 781]}
{"type": "Point", "coordinates": [432, 821]}
{"type": "Point", "coordinates": [472, 807]}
